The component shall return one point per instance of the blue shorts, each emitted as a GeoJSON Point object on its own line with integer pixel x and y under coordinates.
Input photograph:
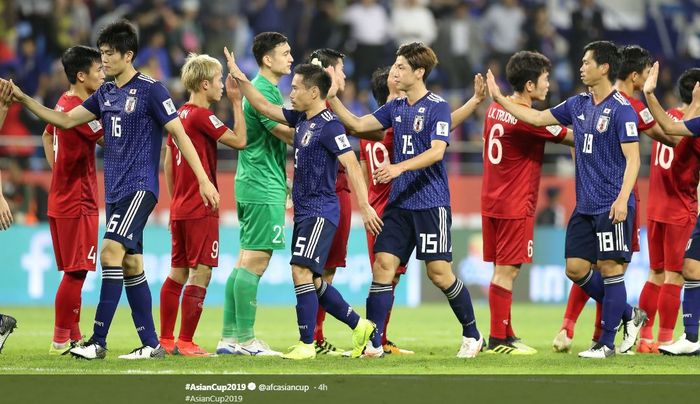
{"type": "Point", "coordinates": [405, 229]}
{"type": "Point", "coordinates": [692, 249]}
{"type": "Point", "coordinates": [594, 237]}
{"type": "Point", "coordinates": [127, 218]}
{"type": "Point", "coordinates": [311, 243]}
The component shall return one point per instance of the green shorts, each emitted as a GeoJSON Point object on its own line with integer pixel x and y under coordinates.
{"type": "Point", "coordinates": [262, 226]}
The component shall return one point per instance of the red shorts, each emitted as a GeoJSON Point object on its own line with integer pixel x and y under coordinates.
{"type": "Point", "coordinates": [508, 241]}
{"type": "Point", "coordinates": [667, 244]}
{"type": "Point", "coordinates": [635, 229]}
{"type": "Point", "coordinates": [74, 242]}
{"type": "Point", "coordinates": [339, 247]}
{"type": "Point", "coordinates": [195, 241]}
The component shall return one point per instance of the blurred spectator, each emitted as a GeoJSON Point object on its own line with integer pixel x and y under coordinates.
{"type": "Point", "coordinates": [412, 22]}
{"type": "Point", "coordinates": [541, 34]}
{"type": "Point", "coordinates": [153, 58]}
{"type": "Point", "coordinates": [586, 27]}
{"type": "Point", "coordinates": [502, 26]}
{"type": "Point", "coordinates": [28, 202]}
{"type": "Point", "coordinates": [459, 46]}
{"type": "Point", "coordinates": [553, 213]}
{"type": "Point", "coordinates": [369, 35]}
{"type": "Point", "coordinates": [324, 29]}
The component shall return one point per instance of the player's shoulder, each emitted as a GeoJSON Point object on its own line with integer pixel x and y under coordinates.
{"type": "Point", "coordinates": [434, 98]}
{"type": "Point", "coordinates": [618, 99]}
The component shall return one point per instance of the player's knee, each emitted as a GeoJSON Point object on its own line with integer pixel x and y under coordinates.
{"type": "Point", "coordinates": [201, 276]}
{"type": "Point", "coordinates": [301, 275]}
{"type": "Point", "coordinates": [111, 254]}
{"type": "Point", "coordinates": [179, 275]}
{"type": "Point", "coordinates": [383, 271]}
{"type": "Point", "coordinates": [255, 264]}
{"type": "Point", "coordinates": [674, 278]}
{"type": "Point", "coordinates": [441, 279]}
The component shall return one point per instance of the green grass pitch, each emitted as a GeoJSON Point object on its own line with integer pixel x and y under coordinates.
{"type": "Point", "coordinates": [430, 330]}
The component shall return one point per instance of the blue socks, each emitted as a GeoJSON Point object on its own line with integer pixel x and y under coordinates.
{"type": "Point", "coordinates": [461, 304]}
{"type": "Point", "coordinates": [614, 306]}
{"type": "Point", "coordinates": [110, 293]}
{"type": "Point", "coordinates": [691, 309]}
{"type": "Point", "coordinates": [379, 301]}
{"type": "Point", "coordinates": [139, 296]}
{"type": "Point", "coordinates": [307, 307]}
{"type": "Point", "coordinates": [331, 300]}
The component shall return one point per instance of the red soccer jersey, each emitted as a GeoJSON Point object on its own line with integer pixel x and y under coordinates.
{"type": "Point", "coordinates": [73, 190]}
{"type": "Point", "coordinates": [512, 156]}
{"type": "Point", "coordinates": [204, 129]}
{"type": "Point", "coordinates": [375, 154]}
{"type": "Point", "coordinates": [673, 179]}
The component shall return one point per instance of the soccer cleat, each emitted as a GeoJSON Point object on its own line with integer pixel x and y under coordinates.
{"type": "Point", "coordinates": [562, 342]}
{"type": "Point", "coordinates": [648, 347]}
{"type": "Point", "coordinates": [257, 347]}
{"type": "Point", "coordinates": [90, 350]}
{"type": "Point", "coordinates": [145, 352]}
{"type": "Point", "coordinates": [391, 348]}
{"type": "Point", "coordinates": [518, 343]}
{"type": "Point", "coordinates": [597, 351]}
{"type": "Point", "coordinates": [7, 325]}
{"type": "Point", "coordinates": [63, 349]}
{"type": "Point", "coordinates": [326, 348]}
{"type": "Point", "coordinates": [371, 352]}
{"type": "Point", "coordinates": [227, 348]}
{"type": "Point", "coordinates": [185, 348]}
{"type": "Point", "coordinates": [631, 329]}
{"type": "Point", "coordinates": [301, 351]}
{"type": "Point", "coordinates": [498, 346]}
{"type": "Point", "coordinates": [682, 347]}
{"type": "Point", "coordinates": [361, 335]}
{"type": "Point", "coordinates": [168, 344]}
{"type": "Point", "coordinates": [470, 347]}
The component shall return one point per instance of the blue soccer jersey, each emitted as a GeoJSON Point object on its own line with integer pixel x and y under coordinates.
{"type": "Point", "coordinates": [693, 125]}
{"type": "Point", "coordinates": [415, 127]}
{"type": "Point", "coordinates": [133, 117]}
{"type": "Point", "coordinates": [599, 131]}
{"type": "Point", "coordinates": [317, 143]}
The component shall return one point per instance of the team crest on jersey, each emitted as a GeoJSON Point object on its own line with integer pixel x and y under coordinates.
{"type": "Point", "coordinates": [130, 105]}
{"type": "Point", "coordinates": [602, 124]}
{"type": "Point", "coordinates": [421, 110]}
{"type": "Point", "coordinates": [307, 138]}
{"type": "Point", "coordinates": [132, 91]}
{"type": "Point", "coordinates": [313, 125]}
{"type": "Point", "coordinates": [418, 123]}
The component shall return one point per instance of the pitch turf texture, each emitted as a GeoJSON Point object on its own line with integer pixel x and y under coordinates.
{"type": "Point", "coordinates": [430, 330]}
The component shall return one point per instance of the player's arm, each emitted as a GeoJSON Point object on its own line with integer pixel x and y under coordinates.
{"type": "Point", "coordinates": [206, 189]}
{"type": "Point", "coordinates": [284, 133]}
{"type": "Point", "coordinates": [529, 115]}
{"type": "Point", "coordinates": [365, 173]}
{"type": "Point", "coordinates": [656, 133]}
{"type": "Point", "coordinates": [461, 114]}
{"type": "Point", "coordinates": [388, 172]}
{"type": "Point", "coordinates": [568, 138]}
{"type": "Point", "coordinates": [668, 125]}
{"type": "Point", "coordinates": [236, 138]}
{"type": "Point", "coordinates": [372, 222]}
{"type": "Point", "coordinates": [101, 141]}
{"type": "Point", "coordinates": [5, 212]}
{"type": "Point", "coordinates": [47, 140]}
{"type": "Point", "coordinates": [168, 170]}
{"type": "Point", "coordinates": [364, 127]}
{"type": "Point", "coordinates": [254, 97]}
{"type": "Point", "coordinates": [618, 210]}
{"type": "Point", "coordinates": [76, 116]}
{"type": "Point", "coordinates": [5, 99]}
{"type": "Point", "coordinates": [693, 109]}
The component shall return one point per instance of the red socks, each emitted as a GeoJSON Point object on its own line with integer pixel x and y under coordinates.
{"type": "Point", "coordinates": [192, 303]}
{"type": "Point", "coordinates": [320, 317]}
{"type": "Point", "coordinates": [169, 304]}
{"type": "Point", "coordinates": [648, 301]}
{"type": "Point", "coordinates": [668, 305]}
{"type": "Point", "coordinates": [500, 301]}
{"type": "Point", "coordinates": [67, 307]}
{"type": "Point", "coordinates": [574, 307]}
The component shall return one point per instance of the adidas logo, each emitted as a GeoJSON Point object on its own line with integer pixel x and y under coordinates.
{"type": "Point", "coordinates": [317, 260]}
{"type": "Point", "coordinates": [398, 119]}
{"type": "Point", "coordinates": [581, 117]}
{"type": "Point", "coordinates": [108, 104]}
{"type": "Point", "coordinates": [130, 236]}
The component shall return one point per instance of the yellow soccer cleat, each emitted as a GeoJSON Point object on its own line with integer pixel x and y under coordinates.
{"type": "Point", "coordinates": [301, 351]}
{"type": "Point", "coordinates": [361, 335]}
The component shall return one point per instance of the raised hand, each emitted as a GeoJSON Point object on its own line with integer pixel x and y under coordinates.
{"type": "Point", "coordinates": [479, 87]}
{"type": "Point", "coordinates": [233, 68]}
{"type": "Point", "coordinates": [494, 90]}
{"type": "Point", "coordinates": [650, 84]}
{"type": "Point", "coordinates": [233, 91]}
{"type": "Point", "coordinates": [333, 91]}
{"type": "Point", "coordinates": [5, 92]}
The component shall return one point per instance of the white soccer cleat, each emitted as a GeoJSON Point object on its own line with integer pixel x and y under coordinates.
{"type": "Point", "coordinates": [228, 348]}
{"type": "Point", "coordinates": [7, 325]}
{"type": "Point", "coordinates": [631, 329]}
{"type": "Point", "coordinates": [371, 352]}
{"type": "Point", "coordinates": [470, 347]}
{"type": "Point", "coordinates": [682, 347]}
{"type": "Point", "coordinates": [90, 350]}
{"type": "Point", "coordinates": [597, 351]}
{"type": "Point", "coordinates": [256, 347]}
{"type": "Point", "coordinates": [562, 342]}
{"type": "Point", "coordinates": [145, 352]}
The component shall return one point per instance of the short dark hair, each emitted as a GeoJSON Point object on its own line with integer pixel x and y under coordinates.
{"type": "Point", "coordinates": [265, 42]}
{"type": "Point", "coordinates": [77, 59]}
{"type": "Point", "coordinates": [526, 66]}
{"type": "Point", "coordinates": [327, 56]}
{"type": "Point", "coordinates": [606, 52]}
{"type": "Point", "coordinates": [686, 83]}
{"type": "Point", "coordinates": [418, 56]}
{"type": "Point", "coordinates": [314, 76]}
{"type": "Point", "coordinates": [634, 59]}
{"type": "Point", "coordinates": [121, 36]}
{"type": "Point", "coordinates": [380, 90]}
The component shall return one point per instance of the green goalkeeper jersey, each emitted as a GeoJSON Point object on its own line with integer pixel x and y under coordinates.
{"type": "Point", "coordinates": [260, 175]}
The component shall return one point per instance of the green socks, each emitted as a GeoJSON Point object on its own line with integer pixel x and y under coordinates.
{"type": "Point", "coordinates": [245, 291]}
{"type": "Point", "coordinates": [230, 329]}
